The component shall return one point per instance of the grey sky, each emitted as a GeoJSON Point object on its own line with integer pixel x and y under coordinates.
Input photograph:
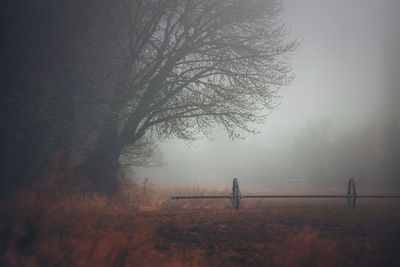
{"type": "Point", "coordinates": [342, 78]}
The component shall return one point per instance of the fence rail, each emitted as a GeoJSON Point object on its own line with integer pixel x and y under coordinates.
{"type": "Point", "coordinates": [235, 196]}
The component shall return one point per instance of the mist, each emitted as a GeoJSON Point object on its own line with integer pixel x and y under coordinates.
{"type": "Point", "coordinates": [338, 119]}
{"type": "Point", "coordinates": [200, 133]}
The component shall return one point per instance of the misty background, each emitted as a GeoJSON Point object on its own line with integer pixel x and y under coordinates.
{"type": "Point", "coordinates": [338, 119]}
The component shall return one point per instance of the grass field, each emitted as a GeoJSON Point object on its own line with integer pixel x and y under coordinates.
{"type": "Point", "coordinates": [143, 227]}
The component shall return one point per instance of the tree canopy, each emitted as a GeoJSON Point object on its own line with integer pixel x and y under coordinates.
{"type": "Point", "coordinates": [190, 64]}
{"type": "Point", "coordinates": [103, 77]}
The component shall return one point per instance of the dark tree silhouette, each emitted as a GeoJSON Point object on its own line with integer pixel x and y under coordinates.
{"type": "Point", "coordinates": [190, 64]}
{"type": "Point", "coordinates": [114, 72]}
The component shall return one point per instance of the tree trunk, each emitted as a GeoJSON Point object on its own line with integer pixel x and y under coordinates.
{"type": "Point", "coordinates": [102, 165]}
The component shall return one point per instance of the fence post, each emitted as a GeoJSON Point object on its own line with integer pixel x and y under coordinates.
{"type": "Point", "coordinates": [354, 195]}
{"type": "Point", "coordinates": [351, 194]}
{"type": "Point", "coordinates": [235, 194]}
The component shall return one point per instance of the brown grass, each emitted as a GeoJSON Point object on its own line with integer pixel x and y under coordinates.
{"type": "Point", "coordinates": [144, 228]}
{"type": "Point", "coordinates": [47, 225]}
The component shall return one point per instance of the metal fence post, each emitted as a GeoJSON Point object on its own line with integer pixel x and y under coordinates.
{"type": "Point", "coordinates": [235, 194]}
{"type": "Point", "coordinates": [351, 194]}
{"type": "Point", "coordinates": [354, 195]}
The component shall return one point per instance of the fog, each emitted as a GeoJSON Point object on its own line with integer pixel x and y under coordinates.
{"type": "Point", "coordinates": [338, 119]}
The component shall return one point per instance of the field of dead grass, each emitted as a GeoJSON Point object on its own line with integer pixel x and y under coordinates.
{"type": "Point", "coordinates": [141, 226]}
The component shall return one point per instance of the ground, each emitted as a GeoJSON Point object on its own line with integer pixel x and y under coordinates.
{"type": "Point", "coordinates": [92, 231]}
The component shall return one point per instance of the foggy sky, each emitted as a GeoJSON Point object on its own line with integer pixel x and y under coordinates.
{"type": "Point", "coordinates": [346, 71]}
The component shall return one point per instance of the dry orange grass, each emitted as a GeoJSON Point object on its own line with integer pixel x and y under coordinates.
{"type": "Point", "coordinates": [81, 229]}
{"type": "Point", "coordinates": [59, 223]}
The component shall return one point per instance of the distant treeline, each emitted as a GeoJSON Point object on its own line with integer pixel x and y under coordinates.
{"type": "Point", "coordinates": [323, 156]}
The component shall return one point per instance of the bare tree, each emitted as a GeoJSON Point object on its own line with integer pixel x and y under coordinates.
{"type": "Point", "coordinates": [188, 65]}
{"type": "Point", "coordinates": [107, 78]}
